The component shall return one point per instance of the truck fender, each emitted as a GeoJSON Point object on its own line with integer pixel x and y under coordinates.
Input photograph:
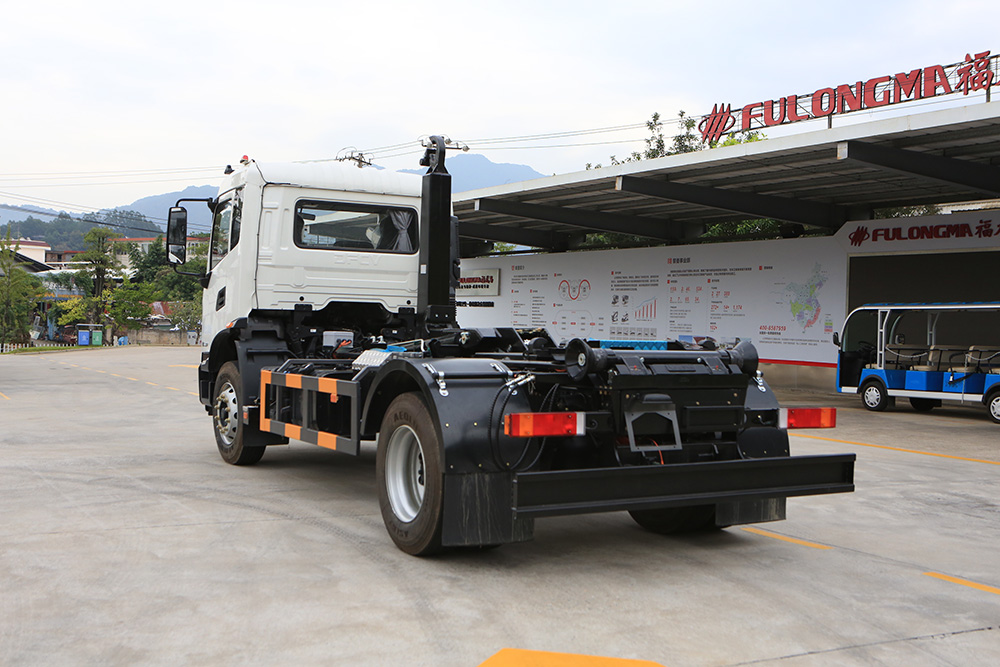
{"type": "Point", "coordinates": [466, 399]}
{"type": "Point", "coordinates": [467, 412]}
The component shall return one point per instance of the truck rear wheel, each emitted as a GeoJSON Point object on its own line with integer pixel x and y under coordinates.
{"type": "Point", "coordinates": [227, 411]}
{"type": "Point", "coordinates": [408, 471]}
{"type": "Point", "coordinates": [670, 520]}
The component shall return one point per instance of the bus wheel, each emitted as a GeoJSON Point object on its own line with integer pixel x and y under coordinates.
{"type": "Point", "coordinates": [874, 396]}
{"type": "Point", "coordinates": [993, 404]}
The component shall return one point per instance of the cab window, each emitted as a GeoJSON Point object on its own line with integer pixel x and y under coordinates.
{"type": "Point", "coordinates": [359, 227]}
{"type": "Point", "coordinates": [225, 229]}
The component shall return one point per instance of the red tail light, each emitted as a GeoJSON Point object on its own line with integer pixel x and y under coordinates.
{"type": "Point", "coordinates": [532, 424]}
{"type": "Point", "coordinates": [807, 417]}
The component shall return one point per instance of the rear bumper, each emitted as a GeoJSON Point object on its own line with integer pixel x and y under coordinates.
{"type": "Point", "coordinates": [538, 494]}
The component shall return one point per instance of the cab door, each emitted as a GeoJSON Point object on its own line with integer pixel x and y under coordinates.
{"type": "Point", "coordinates": [223, 300]}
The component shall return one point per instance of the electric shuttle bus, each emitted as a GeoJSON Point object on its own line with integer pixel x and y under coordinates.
{"type": "Point", "coordinates": [927, 353]}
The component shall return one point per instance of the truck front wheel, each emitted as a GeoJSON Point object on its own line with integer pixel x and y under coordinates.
{"type": "Point", "coordinates": [227, 411]}
{"type": "Point", "coordinates": [408, 472]}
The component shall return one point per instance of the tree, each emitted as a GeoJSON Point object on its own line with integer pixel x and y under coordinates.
{"type": "Point", "coordinates": [146, 265]}
{"type": "Point", "coordinates": [19, 294]}
{"type": "Point", "coordinates": [186, 315]}
{"type": "Point", "coordinates": [65, 232]}
{"type": "Point", "coordinates": [128, 304]}
{"type": "Point", "coordinates": [101, 258]}
{"type": "Point", "coordinates": [906, 211]}
{"type": "Point", "coordinates": [685, 141]}
{"type": "Point", "coordinates": [173, 286]}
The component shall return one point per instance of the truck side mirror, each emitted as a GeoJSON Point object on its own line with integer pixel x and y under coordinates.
{"type": "Point", "coordinates": [177, 235]}
{"type": "Point", "coordinates": [836, 339]}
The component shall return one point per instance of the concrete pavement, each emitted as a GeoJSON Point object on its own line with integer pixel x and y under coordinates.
{"type": "Point", "coordinates": [127, 540]}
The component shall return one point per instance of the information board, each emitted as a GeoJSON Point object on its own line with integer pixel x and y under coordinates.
{"type": "Point", "coordinates": [785, 296]}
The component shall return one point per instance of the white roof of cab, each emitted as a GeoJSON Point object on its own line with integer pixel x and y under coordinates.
{"type": "Point", "coordinates": [326, 176]}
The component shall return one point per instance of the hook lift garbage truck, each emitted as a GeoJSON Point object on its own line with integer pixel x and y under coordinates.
{"type": "Point", "coordinates": [329, 317]}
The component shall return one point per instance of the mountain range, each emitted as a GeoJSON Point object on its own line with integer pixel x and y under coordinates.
{"type": "Point", "coordinates": [469, 171]}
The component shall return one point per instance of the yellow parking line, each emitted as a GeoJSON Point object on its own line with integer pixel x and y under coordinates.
{"type": "Point", "coordinates": [132, 379]}
{"type": "Point", "coordinates": [172, 388]}
{"type": "Point", "coordinates": [895, 449]}
{"type": "Point", "coordinates": [192, 393]}
{"type": "Point", "coordinates": [516, 657]}
{"type": "Point", "coordinates": [182, 366]}
{"type": "Point", "coordinates": [964, 582]}
{"type": "Point", "coordinates": [767, 533]}
{"type": "Point", "coordinates": [4, 396]}
{"type": "Point", "coordinates": [153, 383]}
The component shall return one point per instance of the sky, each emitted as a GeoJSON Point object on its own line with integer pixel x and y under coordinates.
{"type": "Point", "coordinates": [107, 102]}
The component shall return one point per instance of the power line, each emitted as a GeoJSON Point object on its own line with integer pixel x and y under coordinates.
{"type": "Point", "coordinates": [48, 202]}
{"type": "Point", "coordinates": [114, 172]}
{"type": "Point", "coordinates": [90, 185]}
{"type": "Point", "coordinates": [89, 222]}
{"type": "Point", "coordinates": [38, 201]}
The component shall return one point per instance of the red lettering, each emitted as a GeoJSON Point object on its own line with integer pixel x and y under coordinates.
{"type": "Point", "coordinates": [819, 108]}
{"type": "Point", "coordinates": [871, 86]}
{"type": "Point", "coordinates": [934, 78]}
{"type": "Point", "coordinates": [848, 98]}
{"type": "Point", "coordinates": [748, 114]}
{"type": "Point", "coordinates": [941, 231]}
{"type": "Point", "coordinates": [792, 110]}
{"type": "Point", "coordinates": [769, 118]}
{"type": "Point", "coordinates": [895, 234]}
{"type": "Point", "coordinates": [907, 85]}
{"type": "Point", "coordinates": [878, 233]}
{"type": "Point", "coordinates": [915, 233]}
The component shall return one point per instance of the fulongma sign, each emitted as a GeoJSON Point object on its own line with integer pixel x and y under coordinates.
{"type": "Point", "coordinates": [977, 72]}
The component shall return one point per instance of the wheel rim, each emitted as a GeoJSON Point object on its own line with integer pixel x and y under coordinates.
{"type": "Point", "coordinates": [995, 408]}
{"type": "Point", "coordinates": [872, 396]}
{"type": "Point", "coordinates": [227, 409]}
{"type": "Point", "coordinates": [404, 473]}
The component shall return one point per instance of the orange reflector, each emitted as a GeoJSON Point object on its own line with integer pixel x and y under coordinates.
{"type": "Point", "coordinates": [531, 424]}
{"type": "Point", "coordinates": [808, 417]}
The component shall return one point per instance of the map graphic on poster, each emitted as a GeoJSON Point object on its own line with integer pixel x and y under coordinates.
{"type": "Point", "coordinates": [803, 298]}
{"type": "Point", "coordinates": [782, 295]}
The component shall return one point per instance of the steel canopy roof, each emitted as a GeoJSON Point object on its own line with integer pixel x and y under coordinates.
{"type": "Point", "coordinates": [819, 179]}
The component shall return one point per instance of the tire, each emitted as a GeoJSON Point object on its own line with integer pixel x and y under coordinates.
{"type": "Point", "coordinates": [923, 404]}
{"type": "Point", "coordinates": [409, 476]}
{"type": "Point", "coordinates": [874, 396]}
{"type": "Point", "coordinates": [993, 406]}
{"type": "Point", "coordinates": [227, 417]}
{"type": "Point", "coordinates": [672, 520]}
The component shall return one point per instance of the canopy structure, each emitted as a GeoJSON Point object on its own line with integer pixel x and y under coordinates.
{"type": "Point", "coordinates": [819, 179]}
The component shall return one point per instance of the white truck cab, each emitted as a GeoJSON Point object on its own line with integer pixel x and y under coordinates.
{"type": "Point", "coordinates": [310, 234]}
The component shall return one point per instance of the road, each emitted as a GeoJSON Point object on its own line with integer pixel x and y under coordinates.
{"type": "Point", "coordinates": [127, 540]}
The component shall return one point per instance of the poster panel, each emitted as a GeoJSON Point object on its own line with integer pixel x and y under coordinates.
{"type": "Point", "coordinates": [785, 296]}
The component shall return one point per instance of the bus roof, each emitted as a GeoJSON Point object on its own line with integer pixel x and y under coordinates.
{"type": "Point", "coordinates": [968, 305]}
